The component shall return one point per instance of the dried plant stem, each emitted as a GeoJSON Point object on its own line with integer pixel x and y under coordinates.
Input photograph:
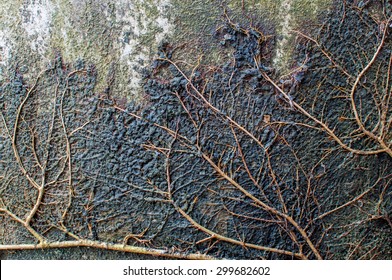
{"type": "Point", "coordinates": [215, 235]}
{"type": "Point", "coordinates": [233, 182]}
{"type": "Point", "coordinates": [384, 147]}
{"type": "Point", "coordinates": [324, 126]}
{"type": "Point", "coordinates": [107, 246]}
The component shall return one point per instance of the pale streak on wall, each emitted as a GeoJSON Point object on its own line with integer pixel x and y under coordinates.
{"type": "Point", "coordinates": [4, 48]}
{"type": "Point", "coordinates": [116, 36]}
{"type": "Point", "coordinates": [132, 53]}
{"type": "Point", "coordinates": [281, 60]}
{"type": "Point", "coordinates": [36, 17]}
{"type": "Point", "coordinates": [290, 15]}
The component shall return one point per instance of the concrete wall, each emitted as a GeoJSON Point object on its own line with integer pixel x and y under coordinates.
{"type": "Point", "coordinates": [120, 37]}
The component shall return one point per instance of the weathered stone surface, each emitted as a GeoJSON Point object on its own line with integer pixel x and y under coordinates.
{"type": "Point", "coordinates": [120, 37]}
{"type": "Point", "coordinates": [266, 123]}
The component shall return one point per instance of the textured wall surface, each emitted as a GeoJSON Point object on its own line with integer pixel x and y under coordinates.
{"type": "Point", "coordinates": [196, 129]}
{"type": "Point", "coordinates": [121, 36]}
{"type": "Point", "coordinates": [116, 36]}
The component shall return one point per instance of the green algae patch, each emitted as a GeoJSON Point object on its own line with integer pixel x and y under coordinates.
{"type": "Point", "coordinates": [197, 19]}
{"type": "Point", "coordinates": [120, 38]}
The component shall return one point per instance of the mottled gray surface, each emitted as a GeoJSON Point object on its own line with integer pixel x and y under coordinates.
{"type": "Point", "coordinates": [118, 176]}
{"type": "Point", "coordinates": [121, 36]}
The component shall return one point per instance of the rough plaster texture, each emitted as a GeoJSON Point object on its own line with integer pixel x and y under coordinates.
{"type": "Point", "coordinates": [115, 36]}
{"type": "Point", "coordinates": [113, 152]}
{"type": "Point", "coordinates": [120, 37]}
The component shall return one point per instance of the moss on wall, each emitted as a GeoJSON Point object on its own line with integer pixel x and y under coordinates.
{"type": "Point", "coordinates": [121, 37]}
